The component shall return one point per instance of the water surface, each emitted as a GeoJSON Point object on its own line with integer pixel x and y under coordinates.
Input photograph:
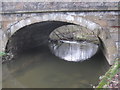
{"type": "Point", "coordinates": [39, 68]}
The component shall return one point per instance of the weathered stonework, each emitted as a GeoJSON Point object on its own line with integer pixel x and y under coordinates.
{"type": "Point", "coordinates": [12, 7]}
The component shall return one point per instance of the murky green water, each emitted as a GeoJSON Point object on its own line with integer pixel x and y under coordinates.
{"type": "Point", "coordinates": [41, 69]}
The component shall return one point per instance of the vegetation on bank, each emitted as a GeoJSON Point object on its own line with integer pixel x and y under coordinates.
{"type": "Point", "coordinates": [2, 53]}
{"type": "Point", "coordinates": [105, 81]}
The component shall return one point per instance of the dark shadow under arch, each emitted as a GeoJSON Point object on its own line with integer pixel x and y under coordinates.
{"type": "Point", "coordinates": [31, 36]}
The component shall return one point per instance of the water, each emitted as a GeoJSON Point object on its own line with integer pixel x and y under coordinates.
{"type": "Point", "coordinates": [40, 68]}
{"type": "Point", "coordinates": [73, 50]}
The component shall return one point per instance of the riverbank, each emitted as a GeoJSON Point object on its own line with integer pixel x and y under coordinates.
{"type": "Point", "coordinates": [112, 77]}
{"type": "Point", "coordinates": [115, 82]}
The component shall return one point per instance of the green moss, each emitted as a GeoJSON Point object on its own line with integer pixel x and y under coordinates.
{"type": "Point", "coordinates": [109, 74]}
{"type": "Point", "coordinates": [2, 53]}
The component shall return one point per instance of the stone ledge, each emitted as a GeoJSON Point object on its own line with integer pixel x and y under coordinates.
{"type": "Point", "coordinates": [12, 7]}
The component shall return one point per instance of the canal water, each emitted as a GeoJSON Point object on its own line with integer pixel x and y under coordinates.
{"type": "Point", "coordinates": [73, 50]}
{"type": "Point", "coordinates": [39, 68]}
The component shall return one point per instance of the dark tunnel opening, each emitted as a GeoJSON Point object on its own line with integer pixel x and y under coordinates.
{"type": "Point", "coordinates": [31, 36]}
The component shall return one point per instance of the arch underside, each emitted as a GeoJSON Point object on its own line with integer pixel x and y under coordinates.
{"type": "Point", "coordinates": [66, 19]}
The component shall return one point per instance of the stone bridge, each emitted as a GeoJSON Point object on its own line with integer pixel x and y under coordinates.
{"type": "Point", "coordinates": [29, 22]}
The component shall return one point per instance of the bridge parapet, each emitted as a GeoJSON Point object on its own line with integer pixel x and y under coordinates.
{"type": "Point", "coordinates": [27, 7]}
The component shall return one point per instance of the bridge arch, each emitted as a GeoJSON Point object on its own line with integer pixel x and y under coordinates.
{"type": "Point", "coordinates": [99, 31]}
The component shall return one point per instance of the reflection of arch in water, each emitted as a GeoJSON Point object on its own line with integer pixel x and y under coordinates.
{"type": "Point", "coordinates": [73, 43]}
{"type": "Point", "coordinates": [74, 51]}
